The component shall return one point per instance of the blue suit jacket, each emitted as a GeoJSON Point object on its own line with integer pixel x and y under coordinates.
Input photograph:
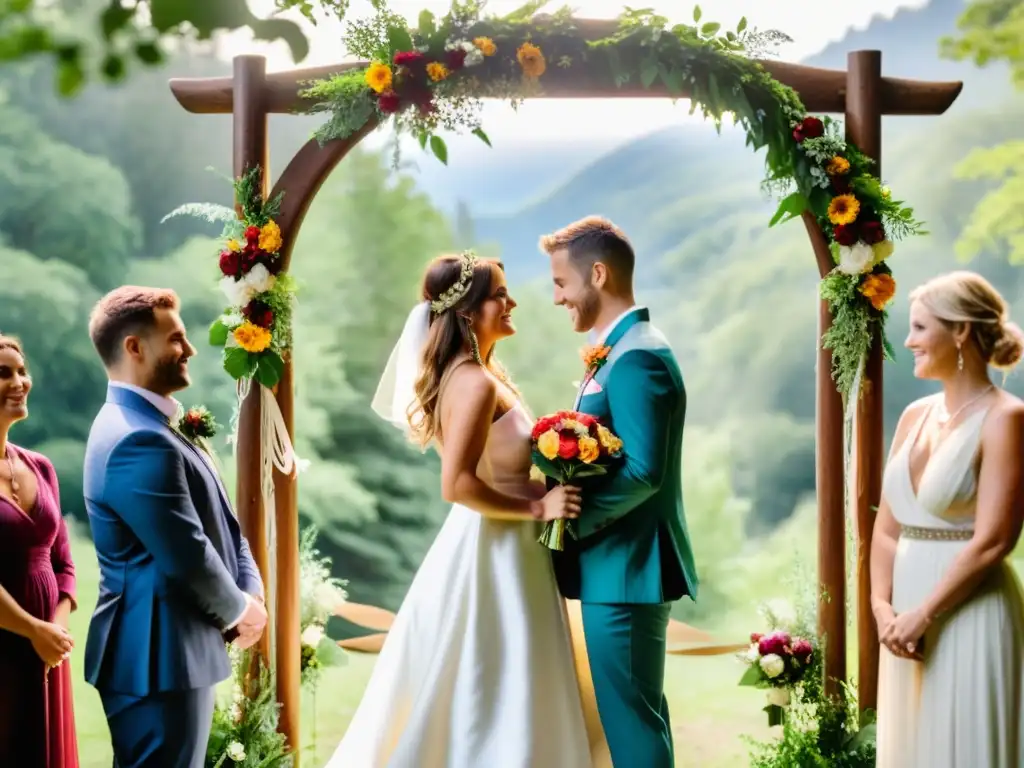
{"type": "Point", "coordinates": [174, 567]}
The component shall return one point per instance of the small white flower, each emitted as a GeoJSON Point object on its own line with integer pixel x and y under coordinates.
{"type": "Point", "coordinates": [328, 597]}
{"type": "Point", "coordinates": [259, 279]}
{"type": "Point", "coordinates": [753, 654]}
{"type": "Point", "coordinates": [232, 319]}
{"type": "Point", "coordinates": [312, 635]}
{"type": "Point", "coordinates": [474, 57]}
{"type": "Point", "coordinates": [779, 697]}
{"type": "Point", "coordinates": [236, 751]}
{"type": "Point", "coordinates": [772, 665]}
{"type": "Point", "coordinates": [856, 259]}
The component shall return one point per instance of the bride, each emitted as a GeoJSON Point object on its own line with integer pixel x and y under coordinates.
{"type": "Point", "coordinates": [477, 669]}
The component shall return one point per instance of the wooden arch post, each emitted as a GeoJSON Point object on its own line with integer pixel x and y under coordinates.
{"type": "Point", "coordinates": [861, 93]}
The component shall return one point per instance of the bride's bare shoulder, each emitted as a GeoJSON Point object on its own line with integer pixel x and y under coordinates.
{"type": "Point", "coordinates": [469, 385]}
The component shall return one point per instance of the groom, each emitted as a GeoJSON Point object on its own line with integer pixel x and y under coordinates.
{"type": "Point", "coordinates": [176, 575]}
{"type": "Point", "coordinates": [632, 556]}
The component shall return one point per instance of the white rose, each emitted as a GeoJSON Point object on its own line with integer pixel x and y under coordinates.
{"type": "Point", "coordinates": [773, 665]}
{"type": "Point", "coordinates": [237, 292]}
{"type": "Point", "coordinates": [259, 279]}
{"type": "Point", "coordinates": [778, 697]}
{"type": "Point", "coordinates": [236, 751]}
{"type": "Point", "coordinates": [474, 57]}
{"type": "Point", "coordinates": [856, 259]}
{"type": "Point", "coordinates": [753, 654]}
{"type": "Point", "coordinates": [312, 635]}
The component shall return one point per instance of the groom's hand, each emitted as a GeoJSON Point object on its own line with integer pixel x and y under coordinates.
{"type": "Point", "coordinates": [253, 622]}
{"type": "Point", "coordinates": [562, 501]}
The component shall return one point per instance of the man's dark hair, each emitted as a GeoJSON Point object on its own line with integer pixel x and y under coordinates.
{"type": "Point", "coordinates": [126, 311]}
{"type": "Point", "coordinates": [590, 240]}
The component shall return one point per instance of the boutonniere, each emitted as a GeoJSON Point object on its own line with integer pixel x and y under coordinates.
{"type": "Point", "coordinates": [594, 357]}
{"type": "Point", "coordinates": [197, 424]}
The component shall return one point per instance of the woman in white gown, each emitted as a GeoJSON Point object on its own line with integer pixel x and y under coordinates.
{"type": "Point", "coordinates": [949, 606]}
{"type": "Point", "coordinates": [477, 669]}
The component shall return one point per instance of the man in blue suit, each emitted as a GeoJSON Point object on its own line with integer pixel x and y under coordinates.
{"type": "Point", "coordinates": [632, 556]}
{"type": "Point", "coordinates": [177, 579]}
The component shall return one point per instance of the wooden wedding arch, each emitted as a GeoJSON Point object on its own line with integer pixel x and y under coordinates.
{"type": "Point", "coordinates": [861, 93]}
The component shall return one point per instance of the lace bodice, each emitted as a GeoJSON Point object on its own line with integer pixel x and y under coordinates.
{"type": "Point", "coordinates": [947, 491]}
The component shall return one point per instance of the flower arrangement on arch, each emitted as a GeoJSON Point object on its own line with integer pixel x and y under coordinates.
{"type": "Point", "coordinates": [568, 446]}
{"type": "Point", "coordinates": [255, 329]}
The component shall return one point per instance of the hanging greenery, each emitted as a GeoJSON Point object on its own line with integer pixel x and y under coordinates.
{"type": "Point", "coordinates": [431, 78]}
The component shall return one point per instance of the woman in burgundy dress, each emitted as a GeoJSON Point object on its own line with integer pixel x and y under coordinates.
{"type": "Point", "coordinates": [37, 593]}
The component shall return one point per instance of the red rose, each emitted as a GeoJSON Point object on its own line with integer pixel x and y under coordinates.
{"type": "Point", "coordinates": [542, 426]}
{"type": "Point", "coordinates": [775, 643]}
{"type": "Point", "coordinates": [809, 128]}
{"type": "Point", "coordinates": [872, 232]}
{"type": "Point", "coordinates": [389, 102]}
{"type": "Point", "coordinates": [258, 313]}
{"type": "Point", "coordinates": [755, 637]}
{"type": "Point", "coordinates": [409, 58]}
{"type": "Point", "coordinates": [845, 234]}
{"type": "Point", "coordinates": [230, 263]}
{"type": "Point", "coordinates": [252, 235]}
{"type": "Point", "coordinates": [455, 59]}
{"type": "Point", "coordinates": [802, 650]}
{"type": "Point", "coordinates": [250, 258]}
{"type": "Point", "coordinates": [568, 447]}
{"type": "Point", "coordinates": [586, 420]}
{"type": "Point", "coordinates": [840, 185]}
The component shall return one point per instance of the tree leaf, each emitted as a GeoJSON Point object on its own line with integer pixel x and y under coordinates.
{"type": "Point", "coordinates": [710, 29]}
{"type": "Point", "coordinates": [649, 72]}
{"type": "Point", "coordinates": [399, 39]}
{"type": "Point", "coordinates": [427, 24]}
{"type": "Point", "coordinates": [751, 677]}
{"type": "Point", "coordinates": [696, 14]}
{"type": "Point", "coordinates": [439, 148]}
{"type": "Point", "coordinates": [479, 133]}
{"type": "Point", "coordinates": [149, 53]}
{"type": "Point", "coordinates": [741, 26]}
{"type": "Point", "coordinates": [423, 138]}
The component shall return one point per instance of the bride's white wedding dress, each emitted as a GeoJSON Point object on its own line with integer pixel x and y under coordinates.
{"type": "Point", "coordinates": [477, 670]}
{"type": "Point", "coordinates": [963, 706]}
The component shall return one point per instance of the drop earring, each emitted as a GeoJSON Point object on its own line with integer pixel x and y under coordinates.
{"type": "Point", "coordinates": [474, 345]}
{"type": "Point", "coordinates": [959, 359]}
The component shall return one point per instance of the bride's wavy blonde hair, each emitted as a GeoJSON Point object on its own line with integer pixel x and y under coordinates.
{"type": "Point", "coordinates": [450, 334]}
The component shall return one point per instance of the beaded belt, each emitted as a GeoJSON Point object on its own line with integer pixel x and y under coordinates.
{"type": "Point", "coordinates": [936, 534]}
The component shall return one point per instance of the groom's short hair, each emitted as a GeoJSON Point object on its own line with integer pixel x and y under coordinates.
{"type": "Point", "coordinates": [126, 311]}
{"type": "Point", "coordinates": [590, 240]}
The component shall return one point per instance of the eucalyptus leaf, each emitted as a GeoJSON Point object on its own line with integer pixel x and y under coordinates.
{"type": "Point", "coordinates": [439, 148]}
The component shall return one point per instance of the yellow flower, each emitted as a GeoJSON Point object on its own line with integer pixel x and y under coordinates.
{"type": "Point", "coordinates": [837, 166]}
{"type": "Point", "coordinates": [270, 237]}
{"type": "Point", "coordinates": [536, 475]}
{"type": "Point", "coordinates": [883, 251]}
{"type": "Point", "coordinates": [486, 46]}
{"type": "Point", "coordinates": [234, 245]}
{"type": "Point", "coordinates": [531, 60]}
{"type": "Point", "coordinates": [589, 451]}
{"type": "Point", "coordinates": [378, 77]}
{"type": "Point", "coordinates": [886, 192]}
{"type": "Point", "coordinates": [843, 209]}
{"type": "Point", "coordinates": [547, 444]}
{"type": "Point", "coordinates": [879, 289]}
{"type": "Point", "coordinates": [251, 337]}
{"type": "Point", "coordinates": [437, 71]}
{"type": "Point", "coordinates": [608, 441]}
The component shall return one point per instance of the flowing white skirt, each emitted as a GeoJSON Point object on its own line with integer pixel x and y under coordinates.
{"type": "Point", "coordinates": [963, 705]}
{"type": "Point", "coordinates": [477, 669]}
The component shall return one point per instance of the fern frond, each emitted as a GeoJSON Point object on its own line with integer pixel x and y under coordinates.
{"type": "Point", "coordinates": [211, 212]}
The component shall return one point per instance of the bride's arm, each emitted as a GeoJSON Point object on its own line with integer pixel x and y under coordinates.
{"type": "Point", "coordinates": [472, 396]}
{"type": "Point", "coordinates": [1000, 512]}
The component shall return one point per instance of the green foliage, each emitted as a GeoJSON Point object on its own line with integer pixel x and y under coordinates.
{"type": "Point", "coordinates": [244, 732]}
{"type": "Point", "coordinates": [990, 31]}
{"type": "Point", "coordinates": [127, 33]}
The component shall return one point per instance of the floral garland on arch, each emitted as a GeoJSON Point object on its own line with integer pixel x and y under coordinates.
{"type": "Point", "coordinates": [431, 78]}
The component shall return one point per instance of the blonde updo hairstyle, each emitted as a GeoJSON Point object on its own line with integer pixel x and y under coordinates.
{"type": "Point", "coordinates": [967, 297]}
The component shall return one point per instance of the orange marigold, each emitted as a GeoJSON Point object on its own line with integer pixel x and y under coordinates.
{"type": "Point", "coordinates": [531, 59]}
{"type": "Point", "coordinates": [843, 209]}
{"type": "Point", "coordinates": [879, 289]}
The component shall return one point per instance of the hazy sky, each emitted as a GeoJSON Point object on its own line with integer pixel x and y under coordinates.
{"type": "Point", "coordinates": [811, 23]}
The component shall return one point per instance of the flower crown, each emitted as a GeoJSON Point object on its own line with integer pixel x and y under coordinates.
{"type": "Point", "coordinates": [458, 291]}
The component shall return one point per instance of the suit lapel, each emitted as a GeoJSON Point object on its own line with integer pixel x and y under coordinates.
{"type": "Point", "coordinates": [638, 315]}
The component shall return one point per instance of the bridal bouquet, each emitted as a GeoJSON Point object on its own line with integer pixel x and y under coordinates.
{"type": "Point", "coordinates": [776, 661]}
{"type": "Point", "coordinates": [568, 446]}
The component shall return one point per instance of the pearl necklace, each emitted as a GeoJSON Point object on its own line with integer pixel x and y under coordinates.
{"type": "Point", "coordinates": [15, 487]}
{"type": "Point", "coordinates": [943, 416]}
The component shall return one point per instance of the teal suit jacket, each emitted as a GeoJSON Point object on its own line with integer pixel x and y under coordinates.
{"type": "Point", "coordinates": [632, 546]}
